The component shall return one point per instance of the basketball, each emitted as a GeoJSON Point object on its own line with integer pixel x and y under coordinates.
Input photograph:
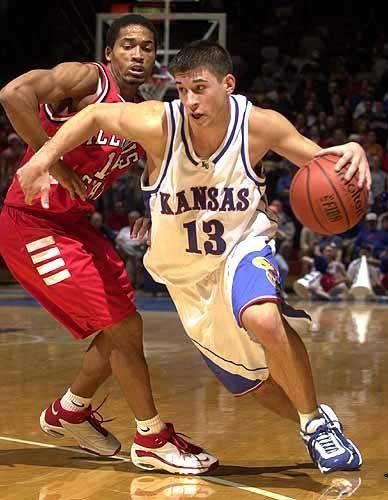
{"type": "Point", "coordinates": [323, 201]}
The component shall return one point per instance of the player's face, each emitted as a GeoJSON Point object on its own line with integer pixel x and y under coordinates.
{"type": "Point", "coordinates": [204, 95]}
{"type": "Point", "coordinates": [133, 55]}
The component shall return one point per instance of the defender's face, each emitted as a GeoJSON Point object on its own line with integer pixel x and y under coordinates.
{"type": "Point", "coordinates": [203, 95]}
{"type": "Point", "coordinates": [133, 55]}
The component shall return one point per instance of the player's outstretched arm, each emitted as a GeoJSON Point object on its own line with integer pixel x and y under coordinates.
{"type": "Point", "coordinates": [142, 123]}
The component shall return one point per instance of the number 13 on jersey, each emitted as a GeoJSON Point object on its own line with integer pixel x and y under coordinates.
{"type": "Point", "coordinates": [215, 245]}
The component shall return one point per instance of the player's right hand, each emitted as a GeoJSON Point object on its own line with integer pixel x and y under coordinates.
{"type": "Point", "coordinates": [34, 181]}
{"type": "Point", "coordinates": [68, 179]}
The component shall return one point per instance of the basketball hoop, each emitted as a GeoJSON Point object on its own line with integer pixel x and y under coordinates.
{"type": "Point", "coordinates": [156, 88]}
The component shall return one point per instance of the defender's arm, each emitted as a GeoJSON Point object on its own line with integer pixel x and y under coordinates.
{"type": "Point", "coordinates": [22, 96]}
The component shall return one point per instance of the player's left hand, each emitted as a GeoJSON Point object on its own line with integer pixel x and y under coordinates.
{"type": "Point", "coordinates": [68, 179]}
{"type": "Point", "coordinates": [141, 228]}
{"type": "Point", "coordinates": [352, 153]}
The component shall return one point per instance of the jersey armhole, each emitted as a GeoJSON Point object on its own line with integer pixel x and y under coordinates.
{"type": "Point", "coordinates": [259, 181]}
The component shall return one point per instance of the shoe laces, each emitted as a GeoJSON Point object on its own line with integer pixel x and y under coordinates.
{"type": "Point", "coordinates": [96, 419]}
{"type": "Point", "coordinates": [177, 439]}
{"type": "Point", "coordinates": [324, 436]}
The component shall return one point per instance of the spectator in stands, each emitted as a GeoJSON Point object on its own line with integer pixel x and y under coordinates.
{"type": "Point", "coordinates": [11, 156]}
{"type": "Point", "coordinates": [118, 217]}
{"type": "Point", "coordinates": [308, 241]}
{"type": "Point", "coordinates": [372, 147]}
{"type": "Point", "coordinates": [327, 280]}
{"type": "Point", "coordinates": [282, 189]}
{"type": "Point", "coordinates": [379, 177]}
{"type": "Point", "coordinates": [370, 235]}
{"type": "Point", "coordinates": [97, 221]}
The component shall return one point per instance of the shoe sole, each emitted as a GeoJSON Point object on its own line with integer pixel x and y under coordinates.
{"type": "Point", "coordinates": [325, 470]}
{"type": "Point", "coordinates": [153, 463]}
{"type": "Point", "coordinates": [58, 432]}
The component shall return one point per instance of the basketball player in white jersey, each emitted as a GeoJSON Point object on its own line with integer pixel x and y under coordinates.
{"type": "Point", "coordinates": [212, 235]}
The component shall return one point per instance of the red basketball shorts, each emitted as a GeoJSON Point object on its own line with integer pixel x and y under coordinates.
{"type": "Point", "coordinates": [70, 268]}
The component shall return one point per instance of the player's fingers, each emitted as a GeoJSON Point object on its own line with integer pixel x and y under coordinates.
{"type": "Point", "coordinates": [135, 227]}
{"type": "Point", "coordinates": [353, 168]}
{"type": "Point", "coordinates": [146, 222]}
{"type": "Point", "coordinates": [343, 160]}
{"type": "Point", "coordinates": [70, 189]}
{"type": "Point", "coordinates": [28, 197]}
{"type": "Point", "coordinates": [79, 188]}
{"type": "Point", "coordinates": [44, 198]}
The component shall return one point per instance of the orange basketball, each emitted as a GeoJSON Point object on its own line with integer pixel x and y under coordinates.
{"type": "Point", "coordinates": [322, 200]}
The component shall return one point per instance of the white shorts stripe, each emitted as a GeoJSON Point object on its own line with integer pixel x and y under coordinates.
{"type": "Point", "coordinates": [50, 266]}
{"type": "Point", "coordinates": [57, 277]}
{"type": "Point", "coordinates": [38, 244]}
{"type": "Point", "coordinates": [45, 255]}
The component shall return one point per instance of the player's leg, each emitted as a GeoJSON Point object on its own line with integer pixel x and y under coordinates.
{"type": "Point", "coordinates": [76, 275]}
{"type": "Point", "coordinates": [156, 445]}
{"type": "Point", "coordinates": [256, 304]}
{"type": "Point", "coordinates": [272, 397]}
{"type": "Point", "coordinates": [57, 270]}
{"type": "Point", "coordinates": [119, 348]}
{"type": "Point", "coordinates": [95, 368]}
{"type": "Point", "coordinates": [286, 354]}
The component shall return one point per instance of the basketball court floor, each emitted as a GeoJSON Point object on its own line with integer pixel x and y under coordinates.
{"type": "Point", "coordinates": [261, 456]}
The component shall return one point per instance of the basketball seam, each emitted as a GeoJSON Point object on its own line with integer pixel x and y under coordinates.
{"type": "Point", "coordinates": [335, 190]}
{"type": "Point", "coordinates": [310, 201]}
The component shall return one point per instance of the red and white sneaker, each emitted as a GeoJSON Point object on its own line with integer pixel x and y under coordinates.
{"type": "Point", "coordinates": [170, 452]}
{"type": "Point", "coordinates": [84, 426]}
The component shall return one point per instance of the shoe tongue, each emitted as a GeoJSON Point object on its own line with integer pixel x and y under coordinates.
{"type": "Point", "coordinates": [313, 425]}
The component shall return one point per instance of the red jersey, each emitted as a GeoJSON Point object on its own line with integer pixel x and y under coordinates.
{"type": "Point", "coordinates": [98, 162]}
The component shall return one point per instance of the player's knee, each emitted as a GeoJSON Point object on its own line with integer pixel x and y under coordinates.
{"type": "Point", "coordinates": [128, 333]}
{"type": "Point", "coordinates": [264, 323]}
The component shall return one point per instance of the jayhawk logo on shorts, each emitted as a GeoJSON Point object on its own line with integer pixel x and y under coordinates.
{"type": "Point", "coordinates": [270, 271]}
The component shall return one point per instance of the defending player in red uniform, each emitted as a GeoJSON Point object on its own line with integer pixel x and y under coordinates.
{"type": "Point", "coordinates": [72, 270]}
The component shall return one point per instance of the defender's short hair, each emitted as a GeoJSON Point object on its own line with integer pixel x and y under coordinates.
{"type": "Point", "coordinates": [123, 21]}
{"type": "Point", "coordinates": [202, 53]}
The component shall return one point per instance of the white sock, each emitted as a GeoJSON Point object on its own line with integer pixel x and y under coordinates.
{"type": "Point", "coordinates": [306, 417]}
{"type": "Point", "coordinates": [153, 425]}
{"type": "Point", "coordinates": [72, 402]}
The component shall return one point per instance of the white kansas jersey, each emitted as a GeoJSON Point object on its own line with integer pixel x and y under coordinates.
{"type": "Point", "coordinates": [201, 208]}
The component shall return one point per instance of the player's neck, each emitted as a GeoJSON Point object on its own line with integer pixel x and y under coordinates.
{"type": "Point", "coordinates": [207, 139]}
{"type": "Point", "coordinates": [128, 91]}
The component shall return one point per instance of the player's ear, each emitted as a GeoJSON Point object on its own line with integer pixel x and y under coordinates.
{"type": "Point", "coordinates": [108, 52]}
{"type": "Point", "coordinates": [229, 83]}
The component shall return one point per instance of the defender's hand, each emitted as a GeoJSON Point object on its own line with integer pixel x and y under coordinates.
{"type": "Point", "coordinates": [354, 154]}
{"type": "Point", "coordinates": [68, 179]}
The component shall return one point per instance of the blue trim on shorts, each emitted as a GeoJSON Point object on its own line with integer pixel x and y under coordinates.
{"type": "Point", "coordinates": [236, 384]}
{"type": "Point", "coordinates": [256, 279]}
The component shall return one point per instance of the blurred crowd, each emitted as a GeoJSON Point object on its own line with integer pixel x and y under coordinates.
{"type": "Point", "coordinates": [333, 85]}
